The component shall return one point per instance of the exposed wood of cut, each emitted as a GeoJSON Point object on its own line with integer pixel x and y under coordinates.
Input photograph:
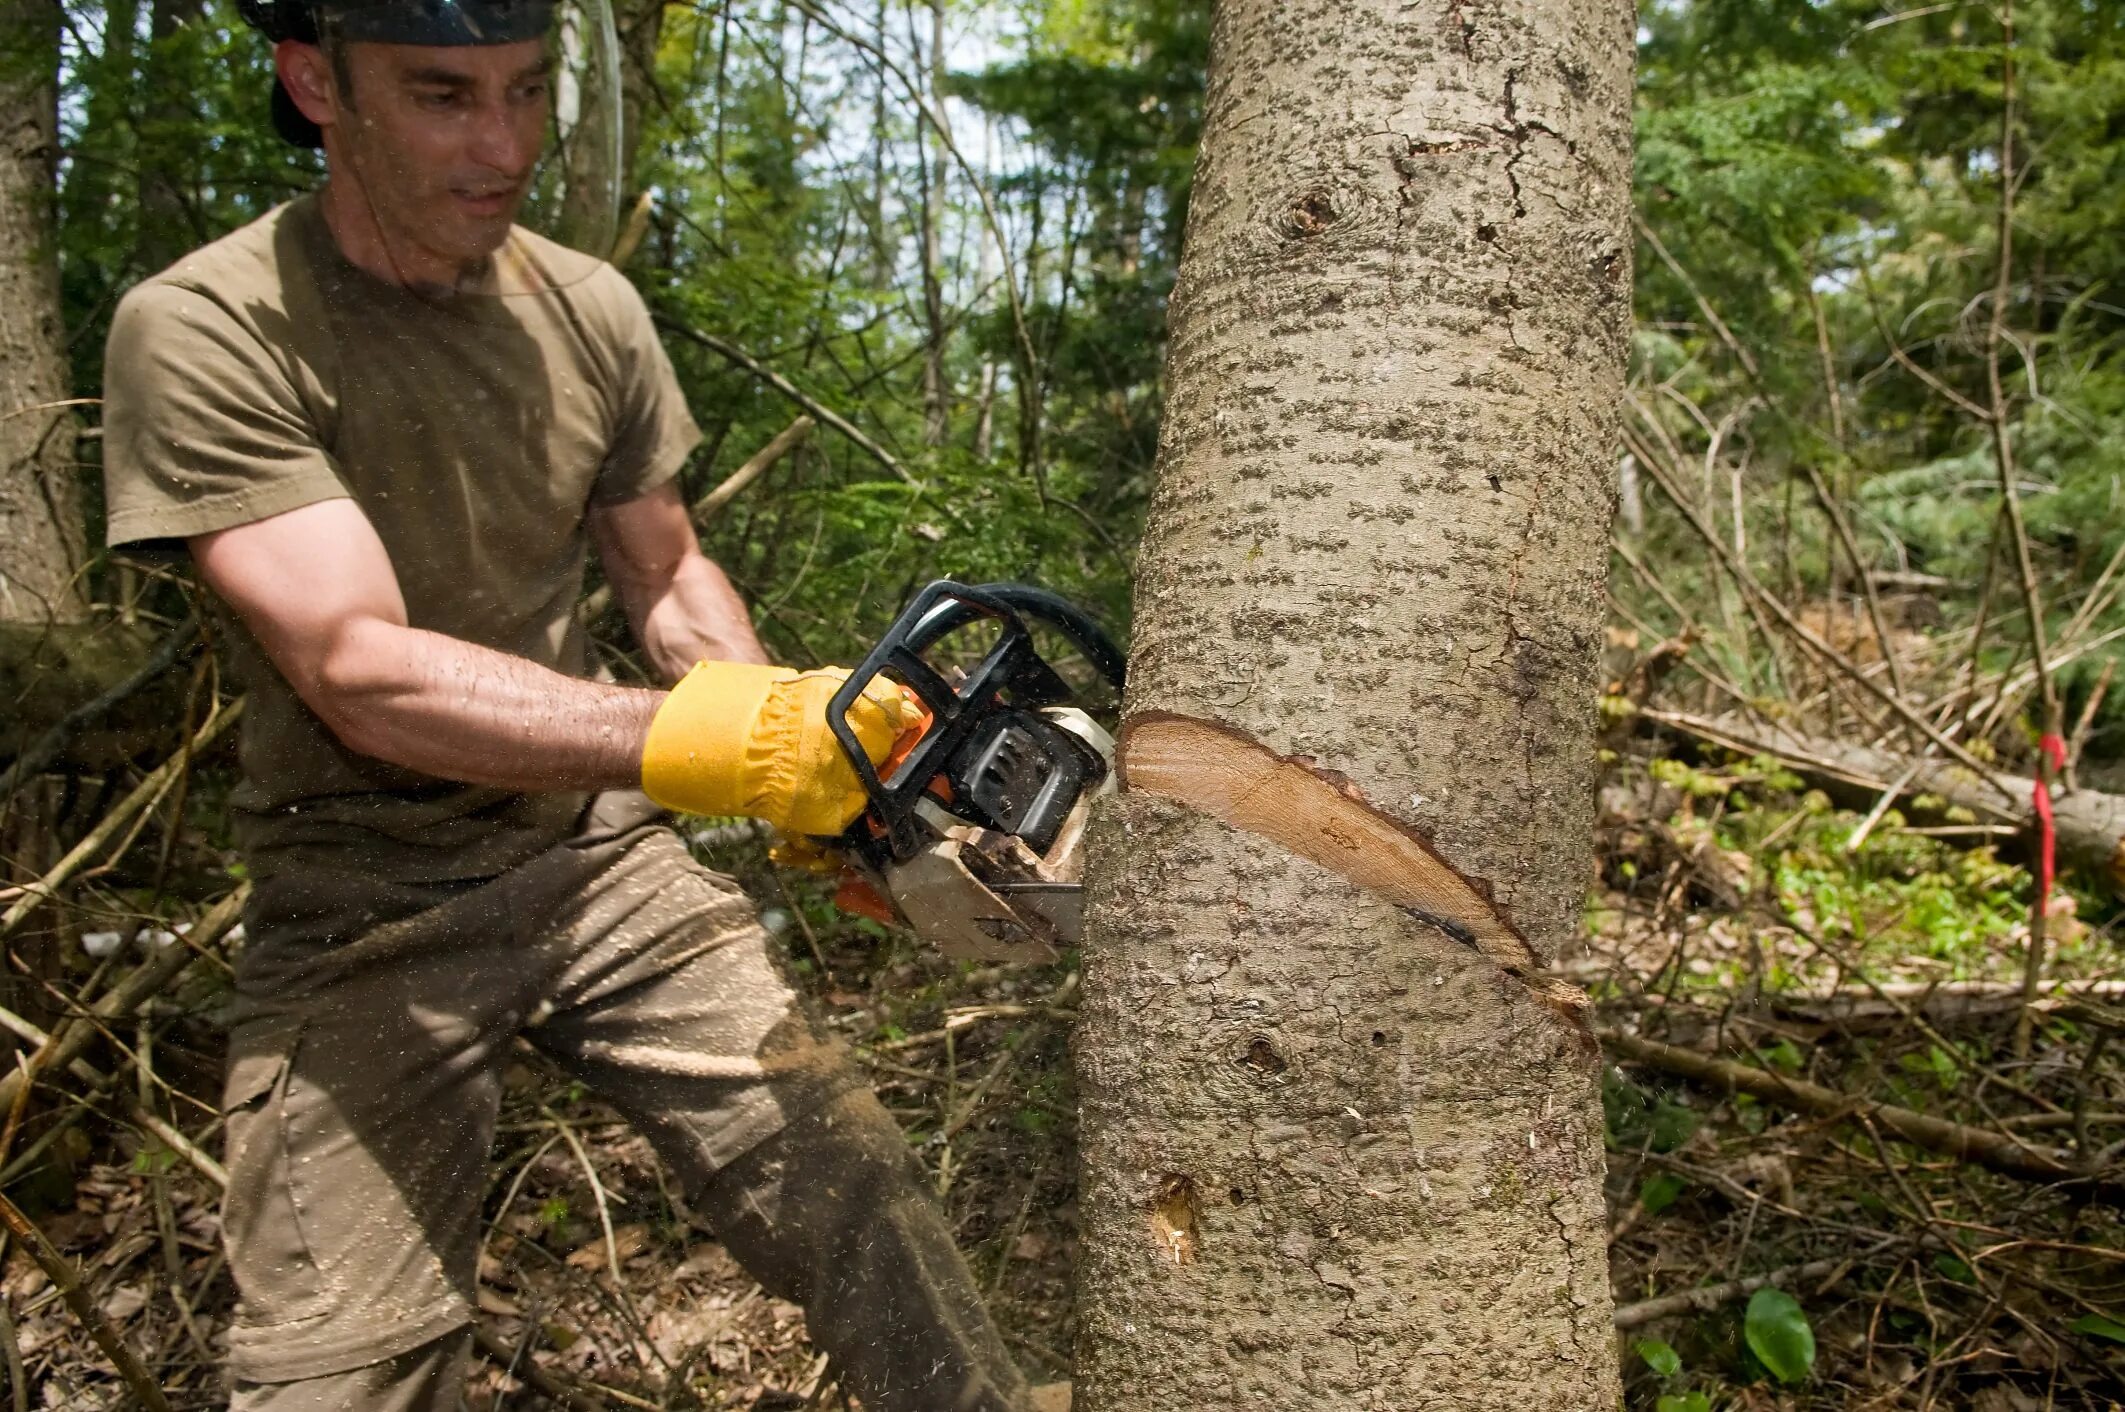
{"type": "Point", "coordinates": [2089, 823]}
{"type": "Point", "coordinates": [1319, 817]}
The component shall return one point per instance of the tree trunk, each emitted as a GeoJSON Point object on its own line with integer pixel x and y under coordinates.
{"type": "Point", "coordinates": [168, 226]}
{"type": "Point", "coordinates": [1342, 1147]}
{"type": "Point", "coordinates": [640, 24]}
{"type": "Point", "coordinates": [40, 510]}
{"type": "Point", "coordinates": [935, 391]}
{"type": "Point", "coordinates": [42, 540]}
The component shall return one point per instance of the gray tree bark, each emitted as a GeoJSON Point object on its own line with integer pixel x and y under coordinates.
{"type": "Point", "coordinates": [41, 536]}
{"type": "Point", "coordinates": [1342, 1142]}
{"type": "Point", "coordinates": [43, 606]}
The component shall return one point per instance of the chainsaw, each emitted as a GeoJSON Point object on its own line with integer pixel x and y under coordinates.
{"type": "Point", "coordinates": [974, 830]}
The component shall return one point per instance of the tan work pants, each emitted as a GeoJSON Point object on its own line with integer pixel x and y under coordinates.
{"type": "Point", "coordinates": [364, 1084]}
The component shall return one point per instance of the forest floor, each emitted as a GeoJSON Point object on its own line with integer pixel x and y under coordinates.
{"type": "Point", "coordinates": [1732, 919]}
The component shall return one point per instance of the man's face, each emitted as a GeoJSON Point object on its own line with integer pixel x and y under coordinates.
{"type": "Point", "coordinates": [442, 140]}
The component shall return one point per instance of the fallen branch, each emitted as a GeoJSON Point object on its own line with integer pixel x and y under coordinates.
{"type": "Point", "coordinates": [1708, 1297]}
{"type": "Point", "coordinates": [1943, 1001]}
{"type": "Point", "coordinates": [70, 1040]}
{"type": "Point", "coordinates": [1995, 1151]}
{"type": "Point", "coordinates": [503, 1357]}
{"type": "Point", "coordinates": [48, 670]}
{"type": "Point", "coordinates": [145, 795]}
{"type": "Point", "coordinates": [47, 747]}
{"type": "Point", "coordinates": [1753, 590]}
{"type": "Point", "coordinates": [788, 389]}
{"type": "Point", "coordinates": [61, 1272]}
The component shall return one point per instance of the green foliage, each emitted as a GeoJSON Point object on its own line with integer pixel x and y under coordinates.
{"type": "Point", "coordinates": [1660, 1357]}
{"type": "Point", "coordinates": [1659, 1191]}
{"type": "Point", "coordinates": [2099, 1326]}
{"type": "Point", "coordinates": [1779, 1334]}
{"type": "Point", "coordinates": [1683, 1402]}
{"type": "Point", "coordinates": [1826, 177]}
{"type": "Point", "coordinates": [1672, 1126]}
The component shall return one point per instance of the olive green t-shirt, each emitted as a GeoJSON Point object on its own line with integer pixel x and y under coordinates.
{"type": "Point", "coordinates": [265, 372]}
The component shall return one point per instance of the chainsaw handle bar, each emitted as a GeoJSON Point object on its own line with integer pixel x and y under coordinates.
{"type": "Point", "coordinates": [1013, 668]}
{"type": "Point", "coordinates": [1058, 612]}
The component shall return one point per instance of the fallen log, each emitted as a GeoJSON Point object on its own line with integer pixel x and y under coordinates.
{"type": "Point", "coordinates": [2090, 824]}
{"type": "Point", "coordinates": [1940, 1002]}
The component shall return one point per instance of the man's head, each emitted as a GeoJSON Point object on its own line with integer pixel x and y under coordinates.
{"type": "Point", "coordinates": [433, 112]}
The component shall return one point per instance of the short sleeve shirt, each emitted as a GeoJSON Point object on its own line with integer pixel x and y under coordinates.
{"type": "Point", "coordinates": [266, 372]}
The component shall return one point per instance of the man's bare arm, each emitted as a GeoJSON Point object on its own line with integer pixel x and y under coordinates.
{"type": "Point", "coordinates": [682, 606]}
{"type": "Point", "coordinates": [317, 589]}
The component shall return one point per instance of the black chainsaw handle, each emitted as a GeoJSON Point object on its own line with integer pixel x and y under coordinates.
{"type": "Point", "coordinates": [1012, 672]}
{"type": "Point", "coordinates": [1056, 611]}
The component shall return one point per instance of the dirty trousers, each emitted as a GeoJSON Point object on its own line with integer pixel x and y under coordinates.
{"type": "Point", "coordinates": [364, 1083]}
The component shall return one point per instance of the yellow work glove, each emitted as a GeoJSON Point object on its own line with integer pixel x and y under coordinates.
{"type": "Point", "coordinates": [740, 738]}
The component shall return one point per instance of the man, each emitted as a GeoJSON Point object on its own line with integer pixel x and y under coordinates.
{"type": "Point", "coordinates": [388, 423]}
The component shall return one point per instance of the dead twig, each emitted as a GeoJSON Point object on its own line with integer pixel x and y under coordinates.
{"type": "Point", "coordinates": [144, 795]}
{"type": "Point", "coordinates": [1709, 1297]}
{"type": "Point", "coordinates": [597, 1192]}
{"type": "Point", "coordinates": [731, 351]}
{"type": "Point", "coordinates": [61, 1272]}
{"type": "Point", "coordinates": [70, 1040]}
{"type": "Point", "coordinates": [2078, 740]}
{"type": "Point", "coordinates": [504, 1357]}
{"type": "Point", "coordinates": [1999, 1152]}
{"type": "Point", "coordinates": [47, 747]}
{"type": "Point", "coordinates": [1835, 514]}
{"type": "Point", "coordinates": [17, 1380]}
{"type": "Point", "coordinates": [1814, 640]}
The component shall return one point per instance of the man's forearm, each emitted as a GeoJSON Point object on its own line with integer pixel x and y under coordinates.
{"type": "Point", "coordinates": [458, 711]}
{"type": "Point", "coordinates": [698, 616]}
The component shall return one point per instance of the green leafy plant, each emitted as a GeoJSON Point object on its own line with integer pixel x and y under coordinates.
{"type": "Point", "coordinates": [1683, 1402]}
{"type": "Point", "coordinates": [1673, 1125]}
{"type": "Point", "coordinates": [1660, 1357]}
{"type": "Point", "coordinates": [2098, 1326]}
{"type": "Point", "coordinates": [1660, 1191]}
{"type": "Point", "coordinates": [1779, 1334]}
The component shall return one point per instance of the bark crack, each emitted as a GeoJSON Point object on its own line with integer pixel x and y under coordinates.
{"type": "Point", "coordinates": [1466, 26]}
{"type": "Point", "coordinates": [1571, 1263]}
{"type": "Point", "coordinates": [1321, 816]}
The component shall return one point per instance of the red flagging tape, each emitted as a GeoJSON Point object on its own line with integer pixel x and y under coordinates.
{"type": "Point", "coordinates": [2054, 751]}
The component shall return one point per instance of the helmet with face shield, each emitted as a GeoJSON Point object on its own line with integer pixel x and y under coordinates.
{"type": "Point", "coordinates": [570, 189]}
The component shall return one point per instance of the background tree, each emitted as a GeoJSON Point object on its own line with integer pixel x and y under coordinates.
{"type": "Point", "coordinates": [1340, 1141]}
{"type": "Point", "coordinates": [40, 511]}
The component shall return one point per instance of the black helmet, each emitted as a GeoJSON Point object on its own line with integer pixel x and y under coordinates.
{"type": "Point", "coordinates": [437, 22]}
